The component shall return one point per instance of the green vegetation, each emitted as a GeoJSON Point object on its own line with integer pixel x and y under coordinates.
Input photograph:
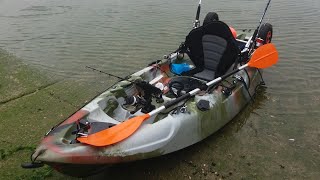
{"type": "Point", "coordinates": [30, 104]}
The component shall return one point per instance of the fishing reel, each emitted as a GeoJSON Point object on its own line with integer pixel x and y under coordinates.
{"type": "Point", "coordinates": [134, 103]}
{"type": "Point", "coordinates": [133, 100]}
{"type": "Point", "coordinates": [143, 101]}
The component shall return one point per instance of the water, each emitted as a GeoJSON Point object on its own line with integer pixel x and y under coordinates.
{"type": "Point", "coordinates": [120, 37]}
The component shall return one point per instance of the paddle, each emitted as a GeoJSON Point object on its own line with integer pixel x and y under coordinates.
{"type": "Point", "coordinates": [264, 57]}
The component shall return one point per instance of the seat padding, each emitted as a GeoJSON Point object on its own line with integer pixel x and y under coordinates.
{"type": "Point", "coordinates": [205, 75]}
{"type": "Point", "coordinates": [212, 48]}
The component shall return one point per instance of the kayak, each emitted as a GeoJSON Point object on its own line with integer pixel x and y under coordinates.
{"type": "Point", "coordinates": [180, 99]}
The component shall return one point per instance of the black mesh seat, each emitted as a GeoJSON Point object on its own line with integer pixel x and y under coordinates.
{"type": "Point", "coordinates": [212, 48]}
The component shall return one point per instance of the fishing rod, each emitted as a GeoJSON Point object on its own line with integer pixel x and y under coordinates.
{"type": "Point", "coordinates": [196, 23]}
{"type": "Point", "coordinates": [249, 46]}
{"type": "Point", "coordinates": [94, 69]}
{"type": "Point", "coordinates": [149, 90]}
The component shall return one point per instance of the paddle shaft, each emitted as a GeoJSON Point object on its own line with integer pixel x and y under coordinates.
{"type": "Point", "coordinates": [195, 91]}
{"type": "Point", "coordinates": [254, 36]}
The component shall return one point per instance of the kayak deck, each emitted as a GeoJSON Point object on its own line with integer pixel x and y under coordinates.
{"type": "Point", "coordinates": [177, 127]}
{"type": "Point", "coordinates": [161, 134]}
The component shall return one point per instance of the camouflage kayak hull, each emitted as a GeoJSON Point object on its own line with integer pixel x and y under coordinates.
{"type": "Point", "coordinates": [169, 131]}
{"type": "Point", "coordinates": [178, 127]}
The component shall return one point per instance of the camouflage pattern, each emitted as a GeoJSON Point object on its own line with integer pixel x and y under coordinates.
{"type": "Point", "coordinates": [176, 128]}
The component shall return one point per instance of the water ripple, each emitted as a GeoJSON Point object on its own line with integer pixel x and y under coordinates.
{"type": "Point", "coordinates": [64, 36]}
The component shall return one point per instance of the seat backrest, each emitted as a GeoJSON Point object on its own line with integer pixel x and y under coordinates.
{"type": "Point", "coordinates": [213, 50]}
{"type": "Point", "coordinates": [212, 47]}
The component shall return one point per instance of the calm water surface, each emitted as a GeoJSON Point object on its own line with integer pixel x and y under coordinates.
{"type": "Point", "coordinates": [120, 37]}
